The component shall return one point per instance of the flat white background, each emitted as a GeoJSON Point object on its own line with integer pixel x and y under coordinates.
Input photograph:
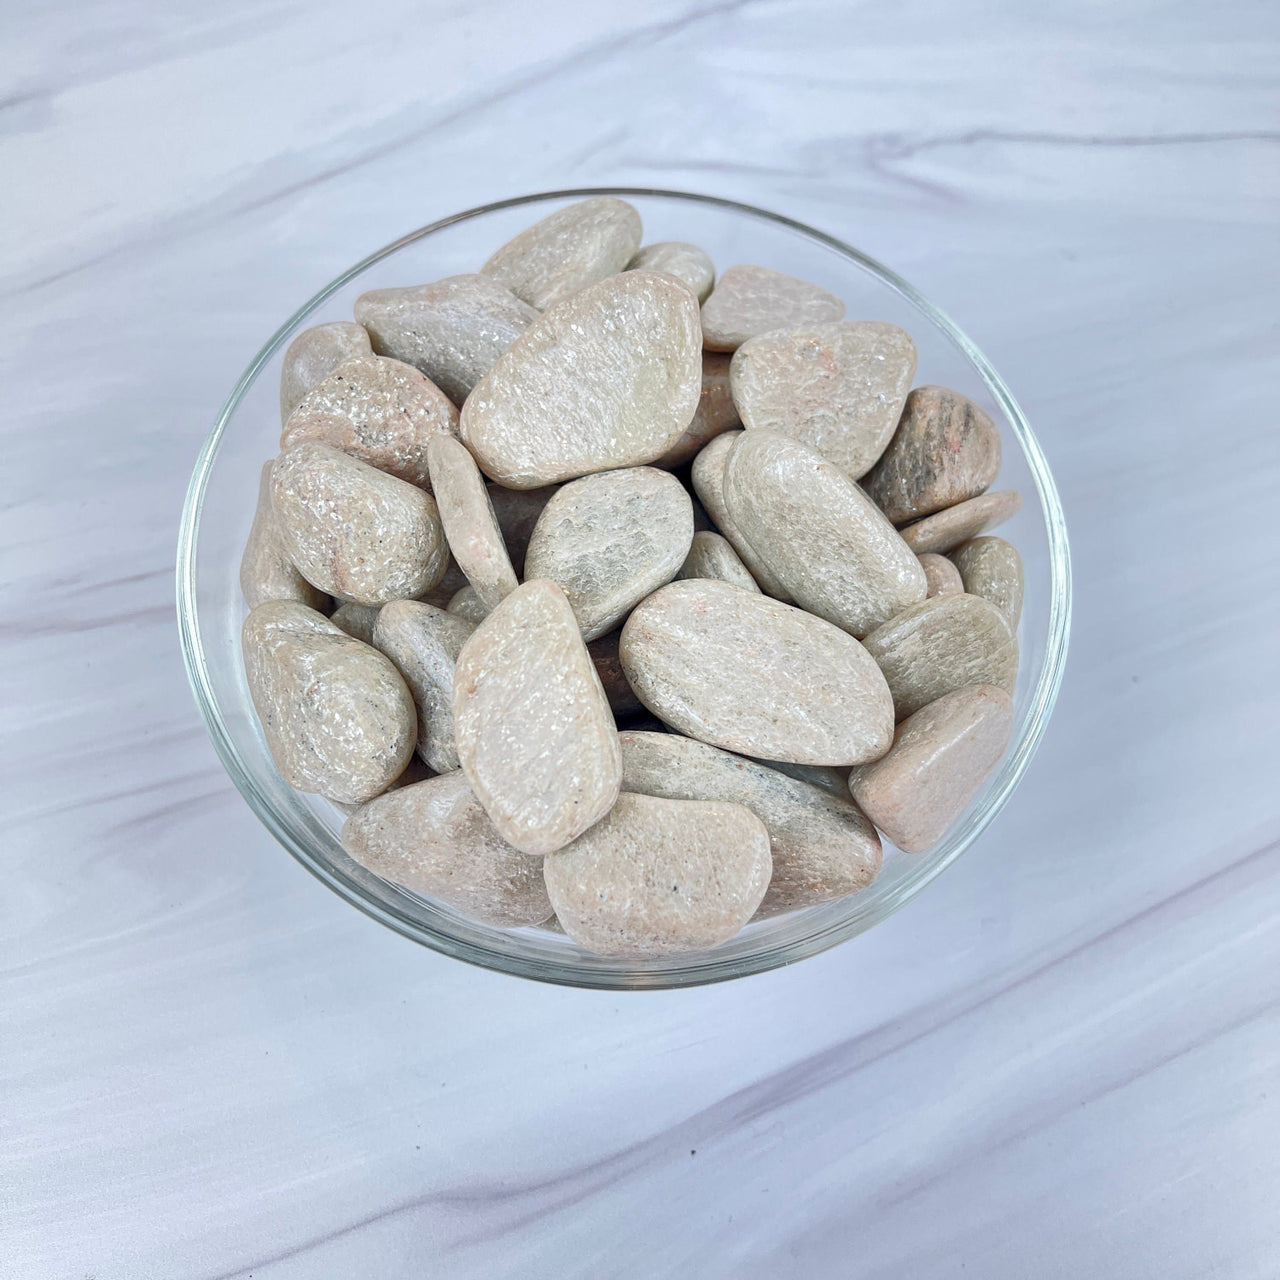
{"type": "Point", "coordinates": [1062, 1060]}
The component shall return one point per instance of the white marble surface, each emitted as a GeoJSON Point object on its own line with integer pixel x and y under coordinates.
{"type": "Point", "coordinates": [1062, 1060]}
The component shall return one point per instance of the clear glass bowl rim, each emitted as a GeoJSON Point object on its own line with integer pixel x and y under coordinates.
{"type": "Point", "coordinates": [705, 967]}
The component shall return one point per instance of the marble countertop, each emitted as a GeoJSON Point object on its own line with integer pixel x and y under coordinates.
{"type": "Point", "coordinates": [1061, 1060]}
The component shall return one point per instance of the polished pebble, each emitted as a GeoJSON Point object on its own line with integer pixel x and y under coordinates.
{"type": "Point", "coordinates": [939, 760]}
{"type": "Point", "coordinates": [357, 620]}
{"type": "Point", "coordinates": [313, 354]}
{"type": "Point", "coordinates": [712, 556]}
{"type": "Point", "coordinates": [676, 258]}
{"type": "Point", "coordinates": [266, 572]}
{"type": "Point", "coordinates": [941, 575]}
{"type": "Point", "coordinates": [715, 414]}
{"type": "Point", "coordinates": [517, 512]}
{"type": "Point", "coordinates": [992, 568]}
{"type": "Point", "coordinates": [748, 300]}
{"type": "Point", "coordinates": [467, 604]}
{"type": "Point", "coordinates": [622, 697]}
{"type": "Point", "coordinates": [659, 877]}
{"type": "Point", "coordinates": [947, 529]}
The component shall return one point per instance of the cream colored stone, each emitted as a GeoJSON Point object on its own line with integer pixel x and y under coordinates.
{"type": "Point", "coordinates": [755, 676]}
{"type": "Point", "coordinates": [357, 620]}
{"type": "Point", "coordinates": [313, 354]}
{"type": "Point", "coordinates": [715, 414]}
{"type": "Point", "coordinates": [659, 877]}
{"type": "Point", "coordinates": [517, 512]}
{"type": "Point", "coordinates": [948, 529]}
{"type": "Point", "coordinates": [676, 258]}
{"type": "Point", "coordinates": [992, 568]}
{"type": "Point", "coordinates": [533, 728]}
{"type": "Point", "coordinates": [622, 698]}
{"type": "Point", "coordinates": [939, 760]}
{"type": "Point", "coordinates": [748, 300]}
{"type": "Point", "coordinates": [713, 556]}
{"type": "Point", "coordinates": [353, 530]}
{"type": "Point", "coordinates": [266, 572]}
{"type": "Point", "coordinates": [942, 576]}
{"type": "Point", "coordinates": [467, 604]}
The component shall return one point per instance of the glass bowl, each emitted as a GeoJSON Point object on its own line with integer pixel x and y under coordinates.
{"type": "Point", "coordinates": [223, 491]}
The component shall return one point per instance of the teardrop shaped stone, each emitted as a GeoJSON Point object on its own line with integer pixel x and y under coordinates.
{"type": "Point", "coordinates": [315, 353]}
{"type": "Point", "coordinates": [748, 300]}
{"type": "Point", "coordinates": [992, 568]}
{"type": "Point", "coordinates": [711, 556]}
{"type": "Point", "coordinates": [266, 572]}
{"type": "Point", "coordinates": [946, 530]}
{"type": "Point", "coordinates": [676, 258]}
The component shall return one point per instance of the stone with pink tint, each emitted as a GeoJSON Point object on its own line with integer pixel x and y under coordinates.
{"type": "Point", "coordinates": [266, 572]}
{"type": "Point", "coordinates": [947, 529]}
{"type": "Point", "coordinates": [715, 415]}
{"type": "Point", "coordinates": [314, 354]}
{"type": "Point", "coordinates": [941, 575]}
{"type": "Point", "coordinates": [748, 300]}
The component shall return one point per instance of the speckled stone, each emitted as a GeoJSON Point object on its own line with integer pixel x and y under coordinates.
{"type": "Point", "coordinates": [839, 388]}
{"type": "Point", "coordinates": [659, 877]}
{"type": "Point", "coordinates": [435, 839]}
{"type": "Point", "coordinates": [944, 644]}
{"type": "Point", "coordinates": [353, 530]}
{"type": "Point", "coordinates": [755, 676]}
{"type": "Point", "coordinates": [942, 576]}
{"type": "Point", "coordinates": [424, 643]}
{"type": "Point", "coordinates": [357, 620]}
{"type": "Point", "coordinates": [945, 450]}
{"type": "Point", "coordinates": [676, 258]}
{"type": "Point", "coordinates": [313, 354]}
{"type": "Point", "coordinates": [378, 410]}
{"type": "Point", "coordinates": [610, 539]}
{"type": "Point", "coordinates": [610, 378]}
{"type": "Point", "coordinates": [452, 330]}
{"type": "Point", "coordinates": [470, 525]}
{"type": "Point", "coordinates": [266, 572]}
{"type": "Point", "coordinates": [820, 535]}
{"type": "Point", "coordinates": [533, 728]}
{"type": "Point", "coordinates": [715, 414]}
{"type": "Point", "coordinates": [712, 556]}
{"type": "Point", "coordinates": [467, 604]}
{"type": "Point", "coordinates": [748, 300]}
{"type": "Point", "coordinates": [622, 697]}
{"type": "Point", "coordinates": [517, 512]}
{"type": "Point", "coordinates": [567, 251]}
{"type": "Point", "coordinates": [822, 846]}
{"type": "Point", "coordinates": [947, 529]}
{"type": "Point", "coordinates": [992, 568]}
{"type": "Point", "coordinates": [336, 715]}
{"type": "Point", "coordinates": [939, 760]}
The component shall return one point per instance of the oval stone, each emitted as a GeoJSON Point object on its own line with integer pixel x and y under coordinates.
{"type": "Point", "coordinates": [820, 535]}
{"type": "Point", "coordinates": [755, 676]}
{"type": "Point", "coordinates": [434, 838]}
{"type": "Point", "coordinates": [658, 877]}
{"type": "Point", "coordinates": [353, 530]}
{"type": "Point", "coordinates": [715, 414]}
{"type": "Point", "coordinates": [266, 572]}
{"type": "Point", "coordinates": [315, 353]}
{"type": "Point", "coordinates": [357, 620]}
{"type": "Point", "coordinates": [610, 539]}
{"type": "Point", "coordinates": [467, 604]}
{"type": "Point", "coordinates": [941, 575]}
{"type": "Point", "coordinates": [337, 717]}
{"type": "Point", "coordinates": [944, 644]}
{"type": "Point", "coordinates": [748, 300]}
{"type": "Point", "coordinates": [948, 529]}
{"type": "Point", "coordinates": [517, 512]}
{"type": "Point", "coordinates": [676, 258]}
{"type": "Point", "coordinates": [992, 568]}
{"type": "Point", "coordinates": [533, 728]}
{"type": "Point", "coordinates": [711, 556]}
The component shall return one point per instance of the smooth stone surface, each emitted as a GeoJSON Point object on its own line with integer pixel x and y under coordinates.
{"type": "Point", "coordinates": [610, 539]}
{"type": "Point", "coordinates": [712, 556]}
{"type": "Point", "coordinates": [435, 838]}
{"type": "Point", "coordinates": [944, 644]}
{"type": "Point", "coordinates": [748, 300]}
{"type": "Point", "coordinates": [658, 877]}
{"type": "Point", "coordinates": [947, 529]}
{"type": "Point", "coordinates": [381, 411]}
{"type": "Point", "coordinates": [622, 697]}
{"type": "Point", "coordinates": [417, 770]}
{"type": "Point", "coordinates": [354, 531]}
{"type": "Point", "coordinates": [707, 477]}
{"type": "Point", "coordinates": [266, 572]}
{"type": "Point", "coordinates": [820, 535]}
{"type": "Point", "coordinates": [992, 568]}
{"type": "Point", "coordinates": [424, 642]}
{"type": "Point", "coordinates": [452, 330]}
{"type": "Point", "coordinates": [609, 378]}
{"type": "Point", "coordinates": [467, 604]}
{"type": "Point", "coordinates": [532, 725]}
{"type": "Point", "coordinates": [357, 620]}
{"type": "Point", "coordinates": [715, 414]}
{"type": "Point", "coordinates": [939, 760]}
{"type": "Point", "coordinates": [945, 450]}
{"type": "Point", "coordinates": [755, 676]}
{"type": "Point", "coordinates": [839, 388]}
{"type": "Point", "coordinates": [335, 713]}
{"type": "Point", "coordinates": [676, 258]}
{"type": "Point", "coordinates": [941, 575]}
{"type": "Point", "coordinates": [567, 251]}
{"type": "Point", "coordinates": [314, 354]}
{"type": "Point", "coordinates": [822, 846]}
{"type": "Point", "coordinates": [517, 512]}
{"type": "Point", "coordinates": [470, 525]}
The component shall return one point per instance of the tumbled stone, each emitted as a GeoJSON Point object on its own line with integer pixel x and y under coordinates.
{"type": "Point", "coordinates": [313, 354]}
{"type": "Point", "coordinates": [713, 556]}
{"type": "Point", "coordinates": [610, 539]}
{"type": "Point", "coordinates": [715, 414]}
{"type": "Point", "coordinates": [748, 300]}
{"type": "Point", "coordinates": [822, 846]}
{"type": "Point", "coordinates": [417, 770]}
{"type": "Point", "coordinates": [467, 604]}
{"type": "Point", "coordinates": [992, 568]}
{"type": "Point", "coordinates": [356, 620]}
{"type": "Point", "coordinates": [353, 530]}
{"type": "Point", "coordinates": [434, 838]}
{"type": "Point", "coordinates": [424, 643]}
{"type": "Point", "coordinates": [820, 535]}
{"type": "Point", "coordinates": [266, 572]}
{"type": "Point", "coordinates": [755, 676]}
{"type": "Point", "coordinates": [839, 388]}
{"type": "Point", "coordinates": [567, 251]}
{"type": "Point", "coordinates": [622, 697]}
{"type": "Point", "coordinates": [939, 760]}
{"type": "Point", "coordinates": [658, 877]}
{"type": "Point", "coordinates": [945, 450]}
{"type": "Point", "coordinates": [533, 728]}
{"type": "Point", "coordinates": [452, 330]}
{"type": "Point", "coordinates": [470, 525]}
{"type": "Point", "coordinates": [609, 378]}
{"type": "Point", "coordinates": [336, 715]}
{"type": "Point", "coordinates": [948, 529]}
{"type": "Point", "coordinates": [517, 512]}
{"type": "Point", "coordinates": [941, 575]}
{"type": "Point", "coordinates": [378, 410]}
{"type": "Point", "coordinates": [827, 777]}
{"type": "Point", "coordinates": [676, 258]}
{"type": "Point", "coordinates": [944, 644]}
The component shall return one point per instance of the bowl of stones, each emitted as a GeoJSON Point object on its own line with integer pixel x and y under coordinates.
{"type": "Point", "coordinates": [623, 588]}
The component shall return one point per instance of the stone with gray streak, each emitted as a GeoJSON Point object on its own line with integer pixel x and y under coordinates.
{"type": "Point", "coordinates": [947, 529]}
{"type": "Point", "coordinates": [677, 258]}
{"type": "Point", "coordinates": [715, 414]}
{"type": "Point", "coordinates": [313, 354]}
{"type": "Point", "coordinates": [992, 568]}
{"type": "Point", "coordinates": [748, 300]}
{"type": "Point", "coordinates": [942, 576]}
{"type": "Point", "coordinates": [712, 556]}
{"type": "Point", "coordinates": [266, 572]}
